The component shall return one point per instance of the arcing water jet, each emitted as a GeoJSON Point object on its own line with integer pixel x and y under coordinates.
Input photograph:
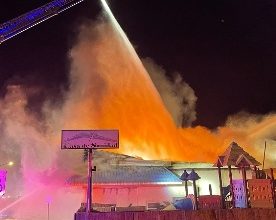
{"type": "Point", "coordinates": [109, 88]}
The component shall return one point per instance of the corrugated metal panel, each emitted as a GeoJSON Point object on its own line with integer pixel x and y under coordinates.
{"type": "Point", "coordinates": [129, 174]}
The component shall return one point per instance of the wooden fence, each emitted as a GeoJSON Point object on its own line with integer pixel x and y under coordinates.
{"type": "Point", "coordinates": [212, 214]}
{"type": "Point", "coordinates": [261, 193]}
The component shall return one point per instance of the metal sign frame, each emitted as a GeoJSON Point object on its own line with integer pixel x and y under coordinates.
{"type": "Point", "coordinates": [90, 139]}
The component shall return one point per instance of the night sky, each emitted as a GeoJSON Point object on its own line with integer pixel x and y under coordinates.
{"type": "Point", "coordinates": [224, 49]}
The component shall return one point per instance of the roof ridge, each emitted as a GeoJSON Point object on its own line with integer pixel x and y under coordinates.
{"type": "Point", "coordinates": [233, 152]}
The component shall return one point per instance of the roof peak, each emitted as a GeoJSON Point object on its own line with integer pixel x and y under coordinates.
{"type": "Point", "coordinates": [234, 153]}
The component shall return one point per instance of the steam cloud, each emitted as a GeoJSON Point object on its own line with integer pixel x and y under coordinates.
{"type": "Point", "coordinates": [178, 97]}
{"type": "Point", "coordinates": [109, 88]}
{"type": "Point", "coordinates": [256, 129]}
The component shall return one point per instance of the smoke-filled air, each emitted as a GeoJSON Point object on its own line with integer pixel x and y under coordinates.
{"type": "Point", "coordinates": [111, 88]}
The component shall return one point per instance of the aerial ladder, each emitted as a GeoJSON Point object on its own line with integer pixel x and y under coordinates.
{"type": "Point", "coordinates": [22, 23]}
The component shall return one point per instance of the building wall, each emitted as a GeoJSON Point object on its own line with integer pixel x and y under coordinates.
{"type": "Point", "coordinates": [210, 176]}
{"type": "Point", "coordinates": [123, 196]}
{"type": "Point", "coordinates": [140, 195]}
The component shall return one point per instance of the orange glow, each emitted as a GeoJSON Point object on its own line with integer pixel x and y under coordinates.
{"type": "Point", "coordinates": [111, 90]}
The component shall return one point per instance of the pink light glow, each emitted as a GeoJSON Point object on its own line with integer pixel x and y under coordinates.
{"type": "Point", "coordinates": [86, 139]}
{"type": "Point", "coordinates": [49, 199]}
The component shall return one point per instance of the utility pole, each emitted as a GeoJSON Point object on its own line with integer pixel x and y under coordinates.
{"type": "Point", "coordinates": [264, 155]}
{"type": "Point", "coordinates": [48, 204]}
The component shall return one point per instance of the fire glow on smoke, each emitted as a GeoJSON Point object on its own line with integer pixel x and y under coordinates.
{"type": "Point", "coordinates": [111, 89]}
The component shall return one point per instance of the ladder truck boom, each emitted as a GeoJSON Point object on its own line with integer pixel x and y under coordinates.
{"type": "Point", "coordinates": [17, 25]}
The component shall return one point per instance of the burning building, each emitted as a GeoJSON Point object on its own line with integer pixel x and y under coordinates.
{"type": "Point", "coordinates": [128, 181]}
{"type": "Point", "coordinates": [110, 88]}
{"type": "Point", "coordinates": [124, 181]}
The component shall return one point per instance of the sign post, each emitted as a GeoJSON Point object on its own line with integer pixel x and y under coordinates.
{"type": "Point", "coordinates": [90, 140]}
{"type": "Point", "coordinates": [89, 182]}
{"type": "Point", "coordinates": [3, 176]}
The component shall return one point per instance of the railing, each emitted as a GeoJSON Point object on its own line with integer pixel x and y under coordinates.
{"type": "Point", "coordinates": [17, 25]}
{"type": "Point", "coordinates": [211, 214]}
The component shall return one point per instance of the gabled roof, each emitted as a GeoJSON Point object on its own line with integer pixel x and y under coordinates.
{"type": "Point", "coordinates": [242, 161]}
{"type": "Point", "coordinates": [236, 156]}
{"type": "Point", "coordinates": [219, 162]}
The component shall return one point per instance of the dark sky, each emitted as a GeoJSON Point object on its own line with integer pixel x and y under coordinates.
{"type": "Point", "coordinates": [225, 49]}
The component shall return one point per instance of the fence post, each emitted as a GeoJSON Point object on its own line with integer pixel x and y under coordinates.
{"type": "Point", "coordinates": [273, 186]}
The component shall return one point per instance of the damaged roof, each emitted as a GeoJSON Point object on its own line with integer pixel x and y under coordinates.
{"type": "Point", "coordinates": [129, 175]}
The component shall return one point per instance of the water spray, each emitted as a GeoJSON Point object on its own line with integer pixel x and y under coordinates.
{"type": "Point", "coordinates": [116, 24]}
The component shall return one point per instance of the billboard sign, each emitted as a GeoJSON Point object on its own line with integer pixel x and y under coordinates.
{"type": "Point", "coordinates": [3, 175]}
{"type": "Point", "coordinates": [89, 139]}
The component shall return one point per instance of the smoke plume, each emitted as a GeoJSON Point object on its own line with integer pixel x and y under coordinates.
{"type": "Point", "coordinates": [255, 130]}
{"type": "Point", "coordinates": [111, 89]}
{"type": "Point", "coordinates": [178, 97]}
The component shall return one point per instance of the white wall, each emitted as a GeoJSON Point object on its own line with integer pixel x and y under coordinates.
{"type": "Point", "coordinates": [210, 176]}
{"type": "Point", "coordinates": [136, 195]}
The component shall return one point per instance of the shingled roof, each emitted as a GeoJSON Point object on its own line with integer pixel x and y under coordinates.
{"type": "Point", "coordinates": [236, 156]}
{"type": "Point", "coordinates": [129, 175]}
{"type": "Point", "coordinates": [119, 169]}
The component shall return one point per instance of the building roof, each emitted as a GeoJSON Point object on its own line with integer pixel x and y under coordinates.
{"type": "Point", "coordinates": [190, 165]}
{"type": "Point", "coordinates": [236, 156]}
{"type": "Point", "coordinates": [129, 175]}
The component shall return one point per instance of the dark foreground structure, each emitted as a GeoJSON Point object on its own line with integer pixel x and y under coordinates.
{"type": "Point", "coordinates": [212, 214]}
{"type": "Point", "coordinates": [245, 199]}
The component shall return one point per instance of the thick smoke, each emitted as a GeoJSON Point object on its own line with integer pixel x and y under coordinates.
{"type": "Point", "coordinates": [110, 88]}
{"type": "Point", "coordinates": [23, 138]}
{"type": "Point", "coordinates": [30, 143]}
{"type": "Point", "coordinates": [178, 97]}
{"type": "Point", "coordinates": [255, 130]}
